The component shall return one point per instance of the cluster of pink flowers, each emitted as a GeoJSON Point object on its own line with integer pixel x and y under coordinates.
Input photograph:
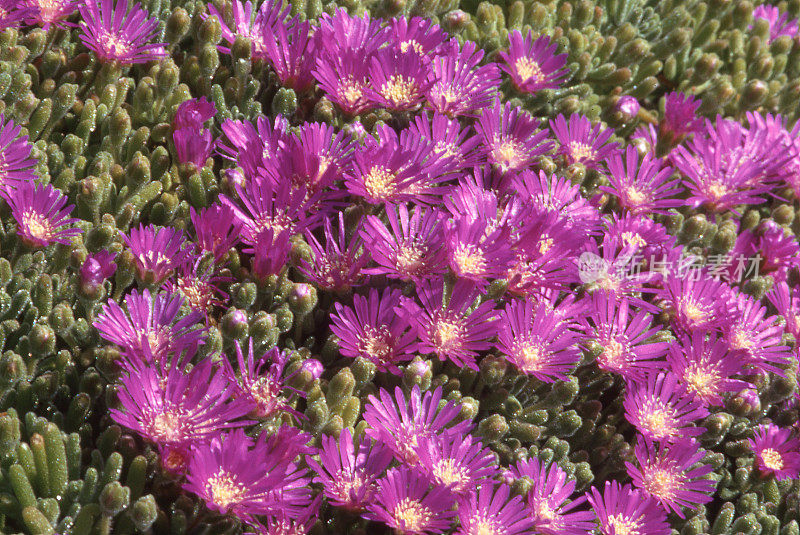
{"type": "Point", "coordinates": [463, 246]}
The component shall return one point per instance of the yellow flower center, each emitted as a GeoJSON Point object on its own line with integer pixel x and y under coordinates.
{"type": "Point", "coordinates": [772, 459]}
{"type": "Point", "coordinates": [702, 381]}
{"type": "Point", "coordinates": [659, 421]}
{"type": "Point", "coordinates": [224, 490]}
{"type": "Point", "coordinates": [413, 45]}
{"type": "Point", "coordinates": [693, 312]}
{"type": "Point", "coordinates": [380, 182]}
{"type": "Point", "coordinates": [114, 45]}
{"type": "Point", "coordinates": [399, 90]}
{"type": "Point", "coordinates": [527, 68]}
{"type": "Point", "coordinates": [624, 526]}
{"type": "Point", "coordinates": [411, 515]}
{"type": "Point", "coordinates": [485, 526]}
{"type": "Point", "coordinates": [351, 90]}
{"type": "Point", "coordinates": [661, 483]}
{"type": "Point", "coordinates": [167, 426]}
{"type": "Point", "coordinates": [581, 152]}
{"type": "Point", "coordinates": [409, 258]}
{"type": "Point", "coordinates": [633, 238]}
{"type": "Point", "coordinates": [448, 472]}
{"type": "Point", "coordinates": [469, 259]}
{"type": "Point", "coordinates": [716, 190]}
{"type": "Point", "coordinates": [447, 334]}
{"type": "Point", "coordinates": [635, 197]}
{"type": "Point", "coordinates": [508, 153]}
{"type": "Point", "coordinates": [741, 340]}
{"type": "Point", "coordinates": [614, 355]}
{"type": "Point", "coordinates": [265, 392]}
{"type": "Point", "coordinates": [37, 226]}
{"type": "Point", "coordinates": [375, 342]}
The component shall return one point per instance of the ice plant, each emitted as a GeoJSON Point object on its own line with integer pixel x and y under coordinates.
{"type": "Point", "coordinates": [621, 334]}
{"type": "Point", "coordinates": [348, 473]}
{"type": "Point", "coordinates": [680, 115]}
{"type": "Point", "coordinates": [157, 251]}
{"type": "Point", "coordinates": [662, 410]}
{"type": "Point", "coordinates": [291, 51]}
{"type": "Point", "coordinates": [411, 247]}
{"type": "Point", "coordinates": [96, 269]}
{"type": "Point", "coordinates": [117, 32]}
{"type": "Point", "coordinates": [398, 80]}
{"type": "Point", "coordinates": [779, 23]}
{"type": "Point", "coordinates": [262, 381]}
{"type": "Point", "coordinates": [641, 186]}
{"type": "Point", "coordinates": [533, 65]}
{"type": "Point", "coordinates": [622, 509]}
{"type": "Point", "coordinates": [216, 229]}
{"type": "Point", "coordinates": [15, 156]}
{"type": "Point", "coordinates": [371, 329]}
{"type": "Point", "coordinates": [671, 474]}
{"type": "Point", "coordinates": [491, 511]}
{"type": "Point", "coordinates": [758, 336]}
{"type": "Point", "coordinates": [447, 326]}
{"type": "Point", "coordinates": [461, 86]}
{"type": "Point", "coordinates": [581, 142]}
{"type": "Point", "coordinates": [181, 408]}
{"type": "Point", "coordinates": [258, 27]}
{"type": "Point", "coordinates": [511, 137]}
{"type": "Point", "coordinates": [777, 451]}
{"type": "Point", "coordinates": [13, 12]}
{"type": "Point", "coordinates": [338, 265]}
{"type": "Point", "coordinates": [234, 473]}
{"type": "Point", "coordinates": [193, 143]}
{"type": "Point", "coordinates": [705, 366]}
{"type": "Point", "coordinates": [406, 503]}
{"type": "Point", "coordinates": [457, 463]}
{"type": "Point", "coordinates": [50, 12]}
{"type": "Point", "coordinates": [41, 214]}
{"type": "Point", "coordinates": [549, 501]}
{"type": "Point", "coordinates": [151, 320]}
{"type": "Point", "coordinates": [537, 342]}
{"type": "Point", "coordinates": [402, 423]}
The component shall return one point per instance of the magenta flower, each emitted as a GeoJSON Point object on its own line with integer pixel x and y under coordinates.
{"type": "Point", "coordinates": [271, 253]}
{"type": "Point", "coordinates": [259, 28]}
{"type": "Point", "coordinates": [268, 206]}
{"type": "Point", "coordinates": [325, 153]}
{"type": "Point", "coordinates": [262, 382]}
{"type": "Point", "coordinates": [622, 333]}
{"type": "Point", "coordinates": [157, 251]}
{"type": "Point", "coordinates": [777, 452]}
{"type": "Point", "coordinates": [454, 148]}
{"type": "Point", "coordinates": [491, 512]}
{"type": "Point", "coordinates": [418, 35]}
{"type": "Point", "coordinates": [178, 409]}
{"type": "Point", "coordinates": [152, 322]}
{"type": "Point", "coordinates": [235, 474]}
{"type": "Point", "coordinates": [642, 234]}
{"type": "Point", "coordinates": [51, 12]}
{"type": "Point", "coordinates": [667, 472]}
{"type": "Point", "coordinates": [662, 410]}
{"type": "Point", "coordinates": [41, 214]}
{"type": "Point", "coordinates": [398, 80]}
{"type": "Point", "coordinates": [698, 304]}
{"type": "Point", "coordinates": [446, 326]}
{"type": "Point", "coordinates": [537, 342]}
{"type": "Point", "coordinates": [403, 425]}
{"type": "Point", "coordinates": [406, 502]}
{"type": "Point", "coordinates": [15, 156]}
{"type": "Point", "coordinates": [533, 65]}
{"type": "Point", "coordinates": [622, 509]}
{"type": "Point", "coordinates": [193, 143]}
{"type": "Point", "coordinates": [779, 23]}
{"type": "Point", "coordinates": [217, 229]}
{"type": "Point", "coordinates": [389, 172]}
{"type": "Point", "coordinates": [291, 51]}
{"type": "Point", "coordinates": [255, 148]}
{"type": "Point", "coordinates": [197, 283]}
{"type": "Point", "coordinates": [371, 329]}
{"type": "Point", "coordinates": [283, 523]}
{"type": "Point", "coordinates": [759, 337]}
{"type": "Point", "coordinates": [642, 188]}
{"type": "Point", "coordinates": [13, 12]}
{"type": "Point", "coordinates": [457, 463]}
{"type": "Point", "coordinates": [338, 265]}
{"type": "Point", "coordinates": [549, 504]}
{"type": "Point", "coordinates": [96, 269]}
{"type": "Point", "coordinates": [705, 367]}
{"type": "Point", "coordinates": [461, 86]}
{"type": "Point", "coordinates": [342, 32]}
{"type": "Point", "coordinates": [348, 474]}
{"type": "Point", "coordinates": [786, 301]}
{"type": "Point", "coordinates": [718, 174]}
{"type": "Point", "coordinates": [473, 254]}
{"type": "Point", "coordinates": [344, 78]}
{"type": "Point", "coordinates": [580, 142]}
{"type": "Point", "coordinates": [118, 33]}
{"type": "Point", "coordinates": [628, 106]}
{"type": "Point", "coordinates": [680, 115]}
{"type": "Point", "coordinates": [510, 137]}
{"type": "Point", "coordinates": [410, 248]}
